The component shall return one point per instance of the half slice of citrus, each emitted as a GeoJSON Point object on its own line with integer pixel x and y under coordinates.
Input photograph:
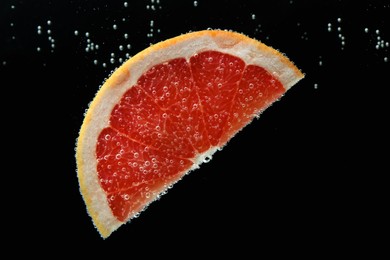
{"type": "Point", "coordinates": [168, 109]}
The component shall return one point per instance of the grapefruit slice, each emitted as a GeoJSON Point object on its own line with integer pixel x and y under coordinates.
{"type": "Point", "coordinates": [168, 109]}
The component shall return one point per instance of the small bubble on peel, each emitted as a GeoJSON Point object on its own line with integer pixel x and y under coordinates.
{"type": "Point", "coordinates": [207, 159]}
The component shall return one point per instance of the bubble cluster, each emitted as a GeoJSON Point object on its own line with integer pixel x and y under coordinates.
{"type": "Point", "coordinates": [339, 31]}
{"type": "Point", "coordinates": [153, 5]}
{"type": "Point", "coordinates": [46, 30]}
{"type": "Point", "coordinates": [92, 48]}
{"type": "Point", "coordinates": [380, 44]}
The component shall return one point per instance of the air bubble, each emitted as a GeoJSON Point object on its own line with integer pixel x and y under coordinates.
{"type": "Point", "coordinates": [207, 159]}
{"type": "Point", "coordinates": [136, 155]}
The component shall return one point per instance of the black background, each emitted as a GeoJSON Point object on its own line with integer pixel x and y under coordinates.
{"type": "Point", "coordinates": [307, 176]}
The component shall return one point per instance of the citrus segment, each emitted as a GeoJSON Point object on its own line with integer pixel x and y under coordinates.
{"type": "Point", "coordinates": [257, 90]}
{"type": "Point", "coordinates": [216, 77]}
{"type": "Point", "coordinates": [167, 109]}
{"type": "Point", "coordinates": [131, 173]}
